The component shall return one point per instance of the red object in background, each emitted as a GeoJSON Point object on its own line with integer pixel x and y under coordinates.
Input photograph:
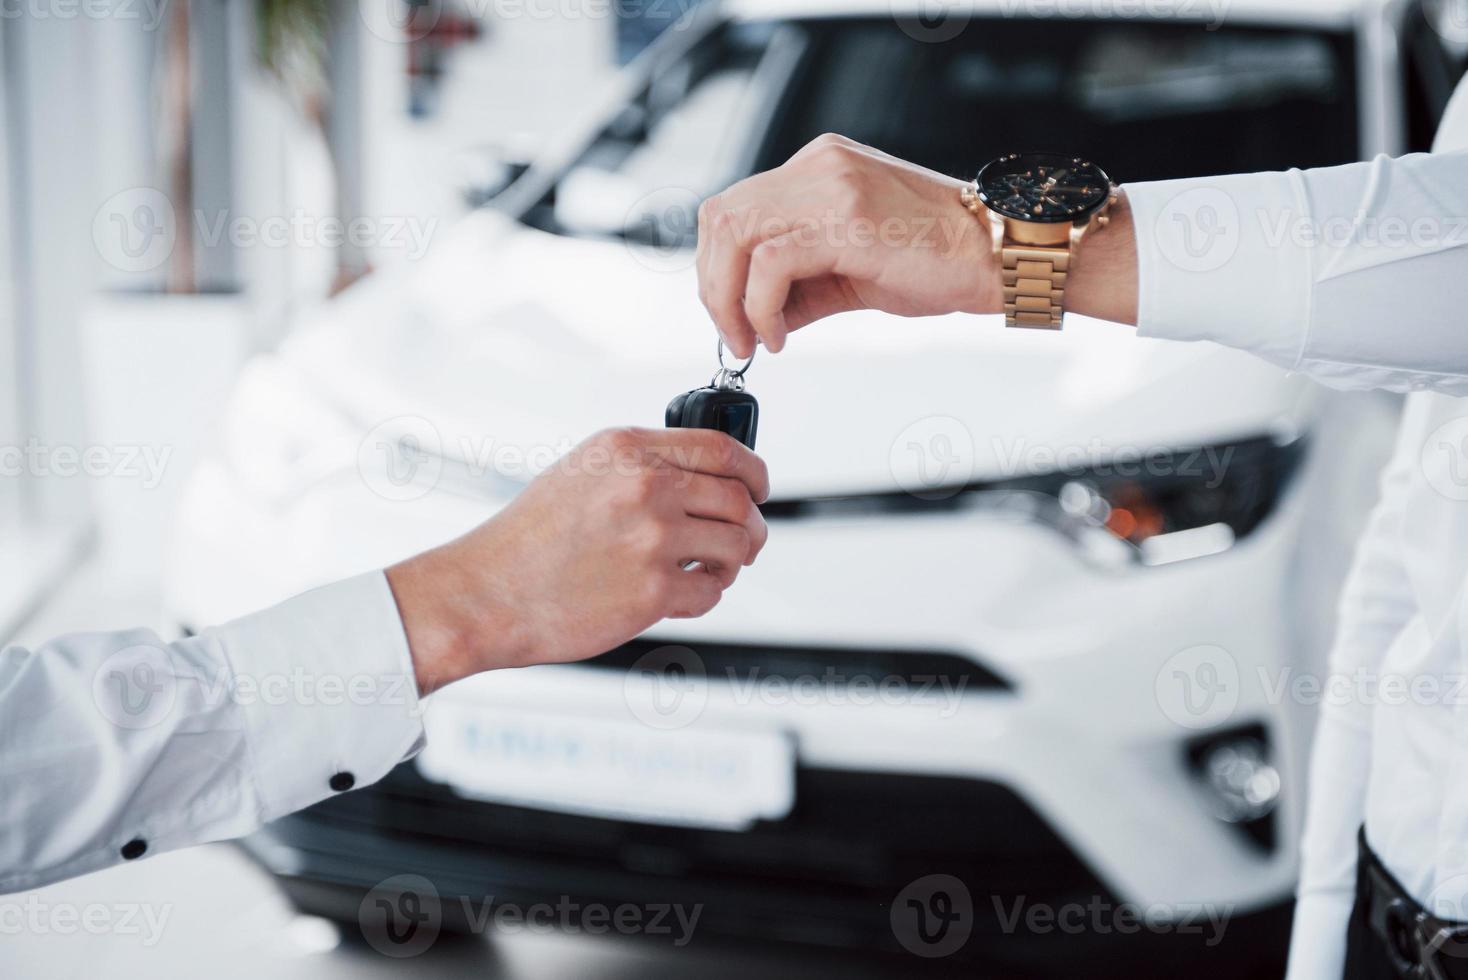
{"type": "Point", "coordinates": [427, 51]}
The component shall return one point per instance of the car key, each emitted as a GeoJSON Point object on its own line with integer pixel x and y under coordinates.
{"type": "Point", "coordinates": [723, 405]}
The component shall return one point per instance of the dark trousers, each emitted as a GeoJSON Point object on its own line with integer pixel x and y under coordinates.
{"type": "Point", "coordinates": [1368, 952]}
{"type": "Point", "coordinates": [1366, 956]}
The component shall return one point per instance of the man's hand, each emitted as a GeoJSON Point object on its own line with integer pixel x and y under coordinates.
{"type": "Point", "coordinates": [842, 226]}
{"type": "Point", "coordinates": [588, 556]}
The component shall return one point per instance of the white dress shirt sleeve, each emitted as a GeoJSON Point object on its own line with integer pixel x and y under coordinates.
{"type": "Point", "coordinates": [1354, 275]}
{"type": "Point", "coordinates": [116, 745]}
{"type": "Point", "coordinates": [1377, 604]}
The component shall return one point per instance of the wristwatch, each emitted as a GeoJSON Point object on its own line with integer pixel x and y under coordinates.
{"type": "Point", "coordinates": [1040, 207]}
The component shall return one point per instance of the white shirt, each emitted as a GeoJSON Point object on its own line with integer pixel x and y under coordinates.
{"type": "Point", "coordinates": [116, 745]}
{"type": "Point", "coordinates": [1358, 276]}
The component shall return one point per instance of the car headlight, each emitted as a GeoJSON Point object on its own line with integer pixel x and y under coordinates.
{"type": "Point", "coordinates": [1167, 506]}
{"type": "Point", "coordinates": [1152, 508]}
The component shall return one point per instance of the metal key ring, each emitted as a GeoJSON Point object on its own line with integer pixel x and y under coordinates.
{"type": "Point", "coordinates": [735, 374]}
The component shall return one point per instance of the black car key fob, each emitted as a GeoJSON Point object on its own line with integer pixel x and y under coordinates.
{"type": "Point", "coordinates": [723, 405]}
{"type": "Point", "coordinates": [725, 409]}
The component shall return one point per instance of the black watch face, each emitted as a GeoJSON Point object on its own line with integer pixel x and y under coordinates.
{"type": "Point", "coordinates": [1043, 187]}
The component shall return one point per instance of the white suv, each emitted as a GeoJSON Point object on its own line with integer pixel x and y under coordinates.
{"type": "Point", "coordinates": [1030, 601]}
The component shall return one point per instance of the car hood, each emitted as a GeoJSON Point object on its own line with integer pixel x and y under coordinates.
{"type": "Point", "coordinates": [514, 344]}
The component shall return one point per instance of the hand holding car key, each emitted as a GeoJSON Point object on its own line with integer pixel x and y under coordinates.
{"type": "Point", "coordinates": [722, 405]}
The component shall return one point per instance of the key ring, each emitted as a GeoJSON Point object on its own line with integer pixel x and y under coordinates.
{"type": "Point", "coordinates": [728, 378]}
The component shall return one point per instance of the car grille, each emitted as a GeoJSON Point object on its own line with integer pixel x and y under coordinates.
{"type": "Point", "coordinates": [921, 669]}
{"type": "Point", "coordinates": [826, 872]}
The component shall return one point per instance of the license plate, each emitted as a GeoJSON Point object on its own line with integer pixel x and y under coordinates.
{"type": "Point", "coordinates": [694, 776]}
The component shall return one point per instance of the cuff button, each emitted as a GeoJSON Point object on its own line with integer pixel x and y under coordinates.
{"type": "Point", "coordinates": [343, 781]}
{"type": "Point", "coordinates": [134, 849]}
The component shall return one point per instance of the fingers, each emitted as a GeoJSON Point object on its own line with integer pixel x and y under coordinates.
{"type": "Point", "coordinates": [764, 212]}
{"type": "Point", "coordinates": [722, 548]}
{"type": "Point", "coordinates": [718, 498]}
{"type": "Point", "coordinates": [776, 265]}
{"type": "Point", "coordinates": [722, 273]}
{"type": "Point", "coordinates": [693, 594]}
{"type": "Point", "coordinates": [815, 299]}
{"type": "Point", "coordinates": [715, 453]}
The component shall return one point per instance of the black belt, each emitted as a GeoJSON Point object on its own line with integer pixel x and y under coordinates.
{"type": "Point", "coordinates": [1419, 944]}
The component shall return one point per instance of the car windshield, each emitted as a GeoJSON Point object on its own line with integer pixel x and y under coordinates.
{"type": "Point", "coordinates": [1148, 100]}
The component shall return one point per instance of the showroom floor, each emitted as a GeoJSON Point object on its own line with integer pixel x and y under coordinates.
{"type": "Point", "coordinates": [209, 907]}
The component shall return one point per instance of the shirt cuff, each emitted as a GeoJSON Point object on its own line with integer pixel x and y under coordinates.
{"type": "Point", "coordinates": [1216, 261]}
{"type": "Point", "coordinates": [326, 685]}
